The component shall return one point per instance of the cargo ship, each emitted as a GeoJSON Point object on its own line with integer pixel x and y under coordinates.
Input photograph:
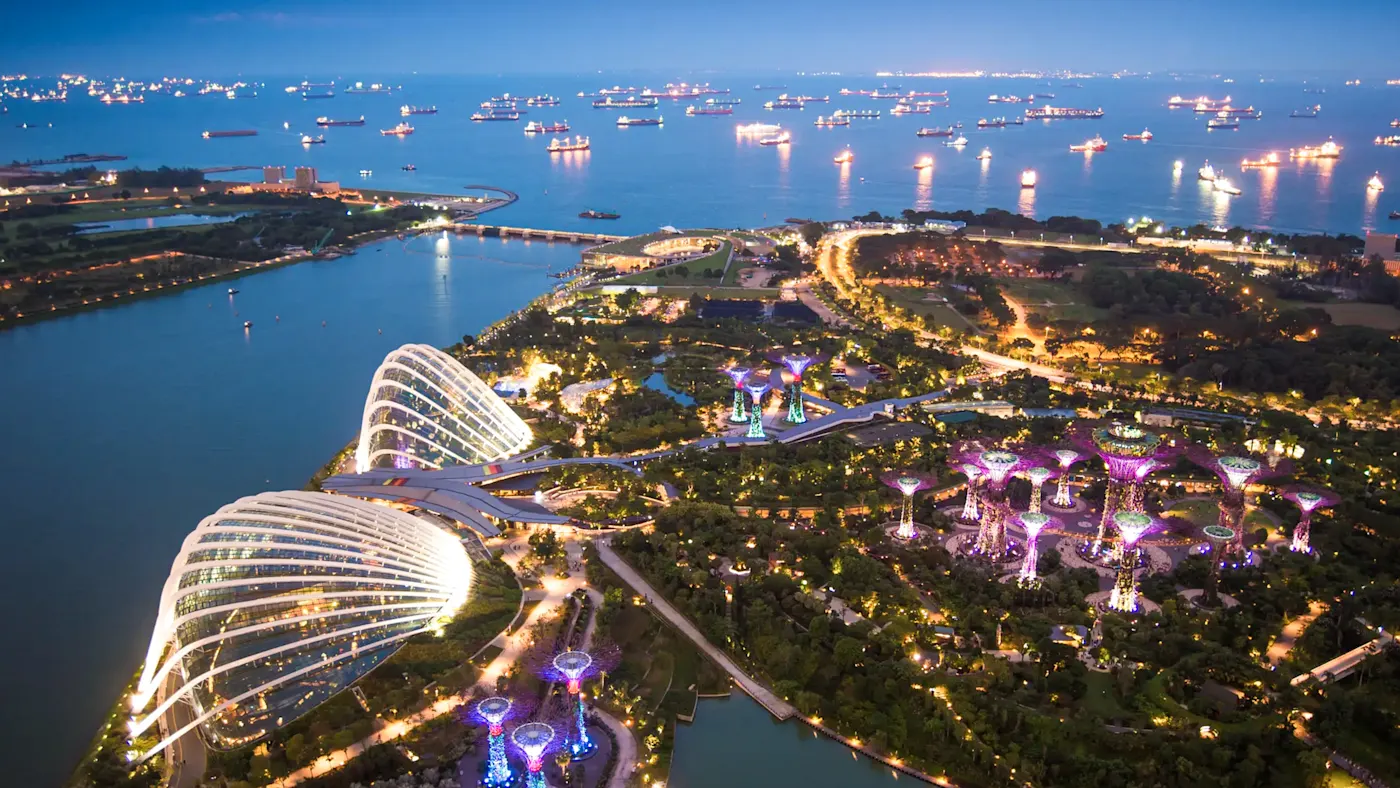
{"type": "Point", "coordinates": [995, 99]}
{"type": "Point", "coordinates": [1177, 102]}
{"type": "Point", "coordinates": [1270, 160]}
{"type": "Point", "coordinates": [909, 109]}
{"type": "Point", "coordinates": [307, 139]}
{"type": "Point", "coordinates": [616, 91]}
{"type": "Point", "coordinates": [1206, 172]}
{"type": "Point", "coordinates": [1095, 145]}
{"type": "Point", "coordinates": [1145, 136]}
{"type": "Point", "coordinates": [849, 92]}
{"type": "Point", "coordinates": [924, 163]}
{"type": "Point", "coordinates": [500, 103]}
{"type": "Point", "coordinates": [565, 145]}
{"type": "Point", "coordinates": [210, 135]}
{"type": "Point", "coordinates": [590, 214]}
{"type": "Point", "coordinates": [1063, 113]}
{"type": "Point", "coordinates": [1375, 184]}
{"type": "Point", "coordinates": [985, 155]}
{"type": "Point", "coordinates": [324, 121]}
{"type": "Point", "coordinates": [856, 113]}
{"type": "Point", "coordinates": [360, 87]}
{"type": "Point", "coordinates": [535, 127]}
{"type": "Point", "coordinates": [307, 95]}
{"type": "Point", "coordinates": [931, 103]}
{"type": "Point", "coordinates": [833, 121]}
{"type": "Point", "coordinates": [407, 110]}
{"type": "Point", "coordinates": [1327, 150]}
{"type": "Point", "coordinates": [1310, 112]}
{"type": "Point", "coordinates": [123, 98]}
{"type": "Point", "coordinates": [724, 102]}
{"type": "Point", "coordinates": [1028, 179]}
{"type": "Point", "coordinates": [780, 139]}
{"type": "Point", "coordinates": [994, 123]}
{"type": "Point", "coordinates": [1395, 124]}
{"type": "Point", "coordinates": [1248, 113]}
{"type": "Point", "coordinates": [480, 116]}
{"type": "Point", "coordinates": [807, 99]}
{"type": "Point", "coordinates": [948, 132]}
{"type": "Point", "coordinates": [542, 101]}
{"type": "Point", "coordinates": [927, 94]}
{"type": "Point", "coordinates": [758, 128]}
{"type": "Point", "coordinates": [611, 103]}
{"type": "Point", "coordinates": [784, 104]}
{"type": "Point", "coordinates": [960, 142]}
{"type": "Point", "coordinates": [401, 130]}
{"type": "Point", "coordinates": [1042, 96]}
{"type": "Point", "coordinates": [626, 121]}
{"type": "Point", "coordinates": [1224, 186]}
{"type": "Point", "coordinates": [710, 110]}
{"type": "Point", "coordinates": [1204, 104]}
{"type": "Point", "coordinates": [1222, 122]}
{"type": "Point", "coordinates": [770, 87]}
{"type": "Point", "coordinates": [845, 157]}
{"type": "Point", "coordinates": [1391, 140]}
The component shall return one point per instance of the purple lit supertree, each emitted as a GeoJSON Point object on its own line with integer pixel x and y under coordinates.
{"type": "Point", "coordinates": [756, 392]}
{"type": "Point", "coordinates": [970, 514]}
{"type": "Point", "coordinates": [1307, 499]}
{"type": "Point", "coordinates": [534, 739]}
{"type": "Point", "coordinates": [996, 466]}
{"type": "Point", "coordinates": [796, 362]}
{"type": "Point", "coordinates": [1034, 523]}
{"type": "Point", "coordinates": [1218, 536]}
{"type": "Point", "coordinates": [739, 413]}
{"type": "Point", "coordinates": [908, 483]}
{"type": "Point", "coordinates": [1237, 470]}
{"type": "Point", "coordinates": [1131, 527]}
{"type": "Point", "coordinates": [574, 665]}
{"type": "Point", "coordinates": [1038, 475]}
{"type": "Point", "coordinates": [1130, 453]}
{"type": "Point", "coordinates": [1065, 459]}
{"type": "Point", "coordinates": [494, 711]}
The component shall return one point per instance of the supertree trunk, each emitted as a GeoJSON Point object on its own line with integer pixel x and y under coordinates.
{"type": "Point", "coordinates": [1124, 596]}
{"type": "Point", "coordinates": [906, 519]}
{"type": "Point", "coordinates": [1062, 492]}
{"type": "Point", "coordinates": [1027, 574]}
{"type": "Point", "coordinates": [991, 535]}
{"type": "Point", "coordinates": [1301, 533]}
{"type": "Point", "coordinates": [969, 512]}
{"type": "Point", "coordinates": [739, 413]}
{"type": "Point", "coordinates": [1110, 506]}
{"type": "Point", "coordinates": [1035, 496]}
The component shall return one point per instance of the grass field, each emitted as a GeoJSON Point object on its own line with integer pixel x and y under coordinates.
{"type": "Point", "coordinates": [1382, 316]}
{"type": "Point", "coordinates": [912, 298]}
{"type": "Point", "coordinates": [1203, 512]}
{"type": "Point", "coordinates": [1035, 293]}
{"type": "Point", "coordinates": [114, 210]}
{"type": "Point", "coordinates": [1100, 698]}
{"type": "Point", "coordinates": [715, 260]}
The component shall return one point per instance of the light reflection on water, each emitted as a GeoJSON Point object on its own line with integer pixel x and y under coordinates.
{"type": "Point", "coordinates": [843, 186]}
{"type": "Point", "coordinates": [923, 191]}
{"type": "Point", "coordinates": [1025, 204]}
{"type": "Point", "coordinates": [1268, 193]}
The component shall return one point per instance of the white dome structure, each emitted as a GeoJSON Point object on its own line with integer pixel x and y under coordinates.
{"type": "Point", "coordinates": [278, 601]}
{"type": "Point", "coordinates": [427, 411]}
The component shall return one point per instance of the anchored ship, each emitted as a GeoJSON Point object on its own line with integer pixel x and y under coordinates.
{"type": "Point", "coordinates": [401, 130]}
{"type": "Point", "coordinates": [1327, 150]}
{"type": "Point", "coordinates": [565, 145]}
{"type": "Point", "coordinates": [324, 121]}
{"type": "Point", "coordinates": [407, 110]}
{"type": "Point", "coordinates": [1095, 145]}
{"type": "Point", "coordinates": [1062, 113]}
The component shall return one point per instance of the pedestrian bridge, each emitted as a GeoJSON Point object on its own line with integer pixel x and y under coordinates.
{"type": "Point", "coordinates": [502, 231]}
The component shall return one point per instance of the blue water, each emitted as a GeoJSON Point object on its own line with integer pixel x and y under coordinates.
{"type": "Point", "coordinates": [657, 382]}
{"type": "Point", "coordinates": [734, 742]}
{"type": "Point", "coordinates": [695, 170]}
{"type": "Point", "coordinates": [127, 425]}
{"type": "Point", "coordinates": [153, 222]}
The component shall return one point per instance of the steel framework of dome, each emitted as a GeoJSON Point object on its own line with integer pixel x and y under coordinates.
{"type": "Point", "coordinates": [280, 600]}
{"type": "Point", "coordinates": [425, 410]}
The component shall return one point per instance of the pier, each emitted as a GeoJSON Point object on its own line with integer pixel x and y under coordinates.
{"type": "Point", "coordinates": [501, 231]}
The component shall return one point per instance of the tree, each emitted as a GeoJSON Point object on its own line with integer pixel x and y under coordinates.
{"type": "Point", "coordinates": [544, 543]}
{"type": "Point", "coordinates": [812, 232]}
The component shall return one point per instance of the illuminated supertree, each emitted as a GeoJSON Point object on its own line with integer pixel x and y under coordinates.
{"type": "Point", "coordinates": [796, 363]}
{"type": "Point", "coordinates": [533, 739]}
{"type": "Point", "coordinates": [970, 513]}
{"type": "Point", "coordinates": [996, 466]}
{"type": "Point", "coordinates": [1237, 471]}
{"type": "Point", "coordinates": [908, 483]}
{"type": "Point", "coordinates": [1038, 476]}
{"type": "Point", "coordinates": [756, 392]}
{"type": "Point", "coordinates": [1307, 500]}
{"type": "Point", "coordinates": [1066, 459]}
{"type": "Point", "coordinates": [1131, 527]}
{"type": "Point", "coordinates": [1130, 453]}
{"type": "Point", "coordinates": [739, 413]}
{"type": "Point", "coordinates": [1218, 536]}
{"type": "Point", "coordinates": [1034, 523]}
{"type": "Point", "coordinates": [495, 711]}
{"type": "Point", "coordinates": [574, 665]}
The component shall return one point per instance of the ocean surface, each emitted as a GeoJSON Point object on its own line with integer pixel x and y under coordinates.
{"type": "Point", "coordinates": [696, 171]}
{"type": "Point", "coordinates": [129, 424]}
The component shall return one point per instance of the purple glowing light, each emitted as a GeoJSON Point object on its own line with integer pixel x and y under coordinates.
{"type": "Point", "coordinates": [1067, 457]}
{"type": "Point", "coordinates": [738, 375]}
{"type": "Point", "coordinates": [1034, 523]}
{"type": "Point", "coordinates": [797, 364]}
{"type": "Point", "coordinates": [1311, 499]}
{"type": "Point", "coordinates": [494, 710]}
{"type": "Point", "coordinates": [756, 391]}
{"type": "Point", "coordinates": [1237, 470]}
{"type": "Point", "coordinates": [1132, 526]}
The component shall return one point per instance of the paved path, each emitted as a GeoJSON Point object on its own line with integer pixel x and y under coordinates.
{"type": "Point", "coordinates": [776, 706]}
{"type": "Point", "coordinates": [1292, 631]}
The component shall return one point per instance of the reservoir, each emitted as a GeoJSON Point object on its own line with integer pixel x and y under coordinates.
{"type": "Point", "coordinates": [125, 426]}
{"type": "Point", "coordinates": [735, 743]}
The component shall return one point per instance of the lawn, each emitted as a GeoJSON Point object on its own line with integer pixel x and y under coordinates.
{"type": "Point", "coordinates": [1382, 316]}
{"type": "Point", "coordinates": [715, 259]}
{"type": "Point", "coordinates": [912, 298]}
{"type": "Point", "coordinates": [1203, 512]}
{"type": "Point", "coordinates": [1065, 302]}
{"type": "Point", "coordinates": [114, 210]}
{"type": "Point", "coordinates": [1101, 699]}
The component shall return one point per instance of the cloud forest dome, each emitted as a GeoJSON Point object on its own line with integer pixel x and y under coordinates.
{"type": "Point", "coordinates": [278, 601]}
{"type": "Point", "coordinates": [426, 410]}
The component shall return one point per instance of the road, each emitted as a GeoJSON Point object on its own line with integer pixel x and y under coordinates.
{"type": "Point", "coordinates": [1293, 630]}
{"type": "Point", "coordinates": [776, 706]}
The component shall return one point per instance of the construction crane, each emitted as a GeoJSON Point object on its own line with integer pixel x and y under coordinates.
{"type": "Point", "coordinates": [322, 243]}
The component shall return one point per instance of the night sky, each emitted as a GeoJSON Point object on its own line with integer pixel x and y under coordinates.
{"type": "Point", "coordinates": [215, 39]}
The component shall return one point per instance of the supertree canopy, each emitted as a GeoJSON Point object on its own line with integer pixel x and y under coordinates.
{"type": "Point", "coordinates": [739, 413]}
{"type": "Point", "coordinates": [495, 711]}
{"type": "Point", "coordinates": [908, 483]}
{"type": "Point", "coordinates": [756, 392]}
{"type": "Point", "coordinates": [1307, 499]}
{"type": "Point", "coordinates": [1131, 527]}
{"type": "Point", "coordinates": [996, 466]}
{"type": "Point", "coordinates": [533, 739]}
{"type": "Point", "coordinates": [1038, 476]}
{"type": "Point", "coordinates": [1237, 470]}
{"type": "Point", "coordinates": [1131, 454]}
{"type": "Point", "coordinates": [1034, 523]}
{"type": "Point", "coordinates": [796, 362]}
{"type": "Point", "coordinates": [574, 665]}
{"type": "Point", "coordinates": [1065, 459]}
